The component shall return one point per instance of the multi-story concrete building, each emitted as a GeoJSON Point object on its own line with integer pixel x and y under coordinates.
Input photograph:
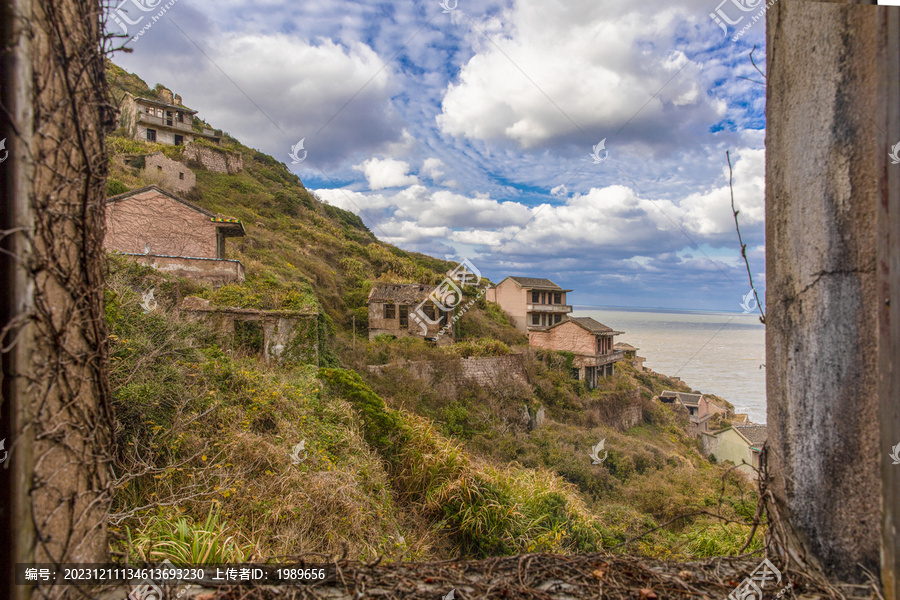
{"type": "Point", "coordinates": [531, 302]}
{"type": "Point", "coordinates": [165, 121]}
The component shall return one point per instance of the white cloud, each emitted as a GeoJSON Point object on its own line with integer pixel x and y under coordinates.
{"type": "Point", "coordinates": [280, 88]}
{"type": "Point", "coordinates": [386, 173]}
{"type": "Point", "coordinates": [433, 168]}
{"type": "Point", "coordinates": [610, 221]}
{"type": "Point", "coordinates": [558, 68]}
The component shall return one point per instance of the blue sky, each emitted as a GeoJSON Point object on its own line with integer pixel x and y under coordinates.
{"type": "Point", "coordinates": [465, 130]}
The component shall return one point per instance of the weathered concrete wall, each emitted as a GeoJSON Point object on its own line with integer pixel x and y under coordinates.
{"type": "Point", "coordinates": [168, 227]}
{"type": "Point", "coordinates": [288, 336]}
{"type": "Point", "coordinates": [629, 416]}
{"type": "Point", "coordinates": [162, 171]}
{"type": "Point", "coordinates": [487, 371]}
{"type": "Point", "coordinates": [206, 270]}
{"type": "Point", "coordinates": [822, 181]}
{"type": "Point", "coordinates": [511, 298]}
{"type": "Point", "coordinates": [217, 161]}
{"type": "Point", "coordinates": [173, 175]}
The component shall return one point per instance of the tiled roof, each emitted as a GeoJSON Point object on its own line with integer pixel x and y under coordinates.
{"type": "Point", "coordinates": [683, 397]}
{"type": "Point", "coordinates": [402, 293]}
{"type": "Point", "coordinates": [592, 325]}
{"type": "Point", "coordinates": [535, 282]}
{"type": "Point", "coordinates": [756, 434]}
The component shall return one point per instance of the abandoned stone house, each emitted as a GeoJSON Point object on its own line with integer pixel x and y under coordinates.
{"type": "Point", "coordinates": [169, 174]}
{"type": "Point", "coordinates": [532, 303]}
{"type": "Point", "coordinates": [164, 121]}
{"type": "Point", "coordinates": [277, 336]}
{"type": "Point", "coordinates": [394, 309]}
{"type": "Point", "coordinates": [630, 353]}
{"type": "Point", "coordinates": [159, 229]}
{"type": "Point", "coordinates": [590, 341]}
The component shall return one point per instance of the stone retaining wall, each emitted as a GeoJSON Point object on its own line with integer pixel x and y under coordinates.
{"type": "Point", "coordinates": [488, 371]}
{"type": "Point", "coordinates": [215, 160]}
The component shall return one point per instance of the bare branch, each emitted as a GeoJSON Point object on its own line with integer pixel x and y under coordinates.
{"type": "Point", "coordinates": [762, 318]}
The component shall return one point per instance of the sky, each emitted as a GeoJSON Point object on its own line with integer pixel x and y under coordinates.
{"type": "Point", "coordinates": [582, 141]}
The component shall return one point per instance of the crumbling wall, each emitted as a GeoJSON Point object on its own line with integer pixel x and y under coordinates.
{"type": "Point", "coordinates": [205, 270]}
{"type": "Point", "coordinates": [288, 336]}
{"type": "Point", "coordinates": [172, 174]}
{"type": "Point", "coordinates": [215, 160]}
{"type": "Point", "coordinates": [824, 166]}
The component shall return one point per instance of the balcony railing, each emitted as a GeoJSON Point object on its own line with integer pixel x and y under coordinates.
{"type": "Point", "coordinates": [163, 122]}
{"type": "Point", "coordinates": [610, 357]}
{"type": "Point", "coordinates": [549, 308]}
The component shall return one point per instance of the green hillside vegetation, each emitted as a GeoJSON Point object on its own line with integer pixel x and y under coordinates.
{"type": "Point", "coordinates": [392, 465]}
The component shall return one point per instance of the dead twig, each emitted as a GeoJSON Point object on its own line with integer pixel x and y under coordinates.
{"type": "Point", "coordinates": [737, 226]}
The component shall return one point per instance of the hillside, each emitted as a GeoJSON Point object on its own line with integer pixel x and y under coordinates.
{"type": "Point", "coordinates": [392, 465]}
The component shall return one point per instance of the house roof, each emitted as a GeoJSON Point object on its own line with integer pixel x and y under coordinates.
{"type": "Point", "coordinates": [755, 434]}
{"type": "Point", "coordinates": [623, 346]}
{"type": "Point", "coordinates": [537, 283]}
{"type": "Point", "coordinates": [589, 324]}
{"type": "Point", "coordinates": [741, 418]}
{"type": "Point", "coordinates": [401, 293]}
{"type": "Point", "coordinates": [182, 108]}
{"type": "Point", "coordinates": [232, 227]}
{"type": "Point", "coordinates": [683, 397]}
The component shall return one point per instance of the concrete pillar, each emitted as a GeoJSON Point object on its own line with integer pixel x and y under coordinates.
{"type": "Point", "coordinates": [827, 120]}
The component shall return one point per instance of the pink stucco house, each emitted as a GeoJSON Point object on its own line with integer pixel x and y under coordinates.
{"type": "Point", "coordinates": [590, 341]}
{"type": "Point", "coordinates": [160, 229]}
{"type": "Point", "coordinates": [533, 303]}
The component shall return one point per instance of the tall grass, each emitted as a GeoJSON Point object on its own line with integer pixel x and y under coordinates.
{"type": "Point", "coordinates": [183, 542]}
{"type": "Point", "coordinates": [484, 510]}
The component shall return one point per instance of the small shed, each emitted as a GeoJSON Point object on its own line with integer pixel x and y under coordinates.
{"type": "Point", "coordinates": [740, 444]}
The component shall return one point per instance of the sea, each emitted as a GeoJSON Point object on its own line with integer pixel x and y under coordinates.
{"type": "Point", "coordinates": [721, 353]}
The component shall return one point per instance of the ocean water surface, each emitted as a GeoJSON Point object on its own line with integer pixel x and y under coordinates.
{"type": "Point", "coordinates": [717, 353]}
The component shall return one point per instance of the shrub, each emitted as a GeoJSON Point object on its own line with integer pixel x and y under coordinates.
{"type": "Point", "coordinates": [114, 187]}
{"type": "Point", "coordinates": [486, 510]}
{"type": "Point", "coordinates": [483, 347]}
{"type": "Point", "coordinates": [266, 293]}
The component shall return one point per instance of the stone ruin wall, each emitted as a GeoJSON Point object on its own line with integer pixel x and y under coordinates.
{"type": "Point", "coordinates": [217, 161]}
